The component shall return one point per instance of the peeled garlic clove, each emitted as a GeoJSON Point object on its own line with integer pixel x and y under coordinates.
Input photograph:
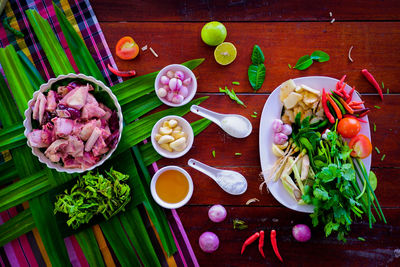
{"type": "Point", "coordinates": [179, 75]}
{"type": "Point", "coordinates": [277, 151]}
{"type": "Point", "coordinates": [178, 134]}
{"type": "Point", "coordinates": [164, 80]}
{"type": "Point", "coordinates": [161, 92]}
{"type": "Point", "coordinates": [165, 124]}
{"type": "Point", "coordinates": [177, 99]}
{"type": "Point", "coordinates": [178, 145]}
{"type": "Point", "coordinates": [157, 137]}
{"type": "Point", "coordinates": [172, 123]}
{"type": "Point", "coordinates": [165, 139]}
{"type": "Point", "coordinates": [285, 145]}
{"type": "Point", "coordinates": [175, 84]}
{"type": "Point", "coordinates": [166, 147]}
{"type": "Point", "coordinates": [178, 128]}
{"type": "Point", "coordinates": [187, 81]}
{"type": "Point", "coordinates": [183, 91]}
{"type": "Point", "coordinates": [165, 130]}
{"type": "Point", "coordinates": [170, 74]}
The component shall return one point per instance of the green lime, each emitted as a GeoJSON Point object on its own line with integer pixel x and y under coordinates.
{"type": "Point", "coordinates": [213, 33]}
{"type": "Point", "coordinates": [225, 53]}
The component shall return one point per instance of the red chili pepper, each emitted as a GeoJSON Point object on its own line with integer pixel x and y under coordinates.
{"type": "Point", "coordinates": [325, 106]}
{"type": "Point", "coordinates": [359, 111]}
{"type": "Point", "coordinates": [372, 80]}
{"type": "Point", "coordinates": [354, 107]}
{"type": "Point", "coordinates": [248, 241]}
{"type": "Point", "coordinates": [364, 113]}
{"type": "Point", "coordinates": [261, 244]}
{"type": "Point", "coordinates": [361, 120]}
{"type": "Point", "coordinates": [356, 103]}
{"type": "Point", "coordinates": [335, 107]}
{"type": "Point", "coordinates": [274, 245]}
{"type": "Point", "coordinates": [350, 94]}
{"type": "Point", "coordinates": [346, 106]}
{"type": "Point", "coordinates": [128, 73]}
{"type": "Point", "coordinates": [338, 93]}
{"type": "Point", "coordinates": [342, 80]}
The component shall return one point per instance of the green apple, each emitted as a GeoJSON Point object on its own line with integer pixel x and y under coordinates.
{"type": "Point", "coordinates": [213, 33]}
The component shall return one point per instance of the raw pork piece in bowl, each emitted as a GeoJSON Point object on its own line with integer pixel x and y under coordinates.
{"type": "Point", "coordinates": [73, 123]}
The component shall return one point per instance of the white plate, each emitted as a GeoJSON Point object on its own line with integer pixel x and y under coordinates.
{"type": "Point", "coordinates": [272, 110]}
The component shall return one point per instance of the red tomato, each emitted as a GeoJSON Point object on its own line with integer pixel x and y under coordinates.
{"type": "Point", "coordinates": [349, 127]}
{"type": "Point", "coordinates": [127, 48]}
{"type": "Point", "coordinates": [361, 146]}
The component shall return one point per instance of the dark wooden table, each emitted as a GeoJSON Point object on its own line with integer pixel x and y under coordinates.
{"type": "Point", "coordinates": [285, 30]}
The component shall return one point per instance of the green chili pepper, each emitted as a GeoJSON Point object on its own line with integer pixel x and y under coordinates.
{"type": "Point", "coordinates": [342, 109]}
{"type": "Point", "coordinates": [6, 24]}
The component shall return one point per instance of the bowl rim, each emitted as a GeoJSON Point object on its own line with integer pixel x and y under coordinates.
{"type": "Point", "coordinates": [161, 202]}
{"type": "Point", "coordinates": [28, 124]}
{"type": "Point", "coordinates": [165, 153]}
{"type": "Point", "coordinates": [189, 97]}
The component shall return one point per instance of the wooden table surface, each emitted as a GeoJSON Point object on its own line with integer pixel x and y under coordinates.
{"type": "Point", "coordinates": [285, 30]}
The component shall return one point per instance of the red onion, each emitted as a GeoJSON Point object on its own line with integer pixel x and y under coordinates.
{"type": "Point", "coordinates": [280, 138]}
{"type": "Point", "coordinates": [287, 129]}
{"type": "Point", "coordinates": [217, 213]}
{"type": "Point", "coordinates": [301, 232]}
{"type": "Point", "coordinates": [208, 242]}
{"type": "Point", "coordinates": [277, 125]}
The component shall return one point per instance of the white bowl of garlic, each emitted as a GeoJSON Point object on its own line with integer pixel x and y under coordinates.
{"type": "Point", "coordinates": [175, 85]}
{"type": "Point", "coordinates": [172, 137]}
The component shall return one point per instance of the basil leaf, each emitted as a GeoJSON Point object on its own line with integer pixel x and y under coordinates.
{"type": "Point", "coordinates": [303, 63]}
{"type": "Point", "coordinates": [320, 56]}
{"type": "Point", "coordinates": [256, 75]}
{"type": "Point", "coordinates": [257, 57]}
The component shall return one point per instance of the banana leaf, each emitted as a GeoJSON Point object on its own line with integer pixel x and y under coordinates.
{"type": "Point", "coordinates": [150, 155]}
{"type": "Point", "coordinates": [16, 226]}
{"type": "Point", "coordinates": [134, 88]}
{"type": "Point", "coordinates": [87, 241]}
{"type": "Point", "coordinates": [33, 74]}
{"type": "Point", "coordinates": [82, 57]}
{"type": "Point", "coordinates": [139, 130]}
{"type": "Point", "coordinates": [118, 240]}
{"type": "Point", "coordinates": [58, 60]}
{"type": "Point", "coordinates": [19, 83]}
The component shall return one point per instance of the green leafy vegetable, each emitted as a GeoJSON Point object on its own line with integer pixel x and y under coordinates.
{"type": "Point", "coordinates": [319, 56]}
{"type": "Point", "coordinates": [239, 224]}
{"type": "Point", "coordinates": [257, 57]}
{"type": "Point", "coordinates": [256, 75]}
{"type": "Point", "coordinates": [92, 195]}
{"type": "Point", "coordinates": [232, 95]}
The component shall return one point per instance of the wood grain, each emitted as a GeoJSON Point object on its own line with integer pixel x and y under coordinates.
{"type": "Point", "coordinates": [245, 10]}
{"type": "Point", "coordinates": [375, 48]}
{"type": "Point", "coordinates": [377, 250]}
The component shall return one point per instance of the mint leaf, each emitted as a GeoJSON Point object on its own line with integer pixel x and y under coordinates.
{"type": "Point", "coordinates": [320, 56]}
{"type": "Point", "coordinates": [303, 63]}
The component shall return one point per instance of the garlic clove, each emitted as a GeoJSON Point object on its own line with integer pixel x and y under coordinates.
{"type": "Point", "coordinates": [165, 130]}
{"type": "Point", "coordinates": [165, 139]}
{"type": "Point", "coordinates": [178, 145]}
{"type": "Point", "coordinates": [166, 124]}
{"type": "Point", "coordinates": [172, 123]}
{"type": "Point", "coordinates": [178, 128]}
{"type": "Point", "coordinates": [166, 147]}
{"type": "Point", "coordinates": [178, 134]}
{"type": "Point", "coordinates": [157, 137]}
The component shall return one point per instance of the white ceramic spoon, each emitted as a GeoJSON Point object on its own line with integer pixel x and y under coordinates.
{"type": "Point", "coordinates": [217, 118]}
{"type": "Point", "coordinates": [231, 182]}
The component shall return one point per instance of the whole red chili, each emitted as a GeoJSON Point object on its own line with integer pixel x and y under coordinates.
{"type": "Point", "coordinates": [372, 80]}
{"type": "Point", "coordinates": [274, 245]}
{"type": "Point", "coordinates": [346, 106]}
{"type": "Point", "coordinates": [338, 93]}
{"type": "Point", "coordinates": [351, 94]}
{"type": "Point", "coordinates": [128, 73]}
{"type": "Point", "coordinates": [364, 113]}
{"type": "Point", "coordinates": [326, 109]}
{"type": "Point", "coordinates": [261, 244]}
{"type": "Point", "coordinates": [249, 240]}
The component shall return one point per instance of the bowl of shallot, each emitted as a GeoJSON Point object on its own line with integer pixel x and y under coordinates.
{"type": "Point", "coordinates": [175, 85]}
{"type": "Point", "coordinates": [73, 123]}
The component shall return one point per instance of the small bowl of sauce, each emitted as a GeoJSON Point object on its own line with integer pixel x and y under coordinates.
{"type": "Point", "coordinates": [171, 187]}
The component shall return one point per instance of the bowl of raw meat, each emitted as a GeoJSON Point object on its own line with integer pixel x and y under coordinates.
{"type": "Point", "coordinates": [73, 123]}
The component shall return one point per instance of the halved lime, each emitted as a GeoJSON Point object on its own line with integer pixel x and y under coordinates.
{"type": "Point", "coordinates": [225, 53]}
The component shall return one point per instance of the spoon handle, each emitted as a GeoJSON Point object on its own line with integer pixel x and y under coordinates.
{"type": "Point", "coordinates": [201, 167]}
{"type": "Point", "coordinates": [208, 114]}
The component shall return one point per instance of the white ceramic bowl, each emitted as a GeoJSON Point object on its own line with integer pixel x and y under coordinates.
{"type": "Point", "coordinates": [185, 128]}
{"type": "Point", "coordinates": [192, 88]}
{"type": "Point", "coordinates": [161, 202]}
{"type": "Point", "coordinates": [28, 123]}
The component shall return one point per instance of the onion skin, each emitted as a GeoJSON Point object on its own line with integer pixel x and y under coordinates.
{"type": "Point", "coordinates": [208, 242]}
{"type": "Point", "coordinates": [301, 232]}
{"type": "Point", "coordinates": [217, 213]}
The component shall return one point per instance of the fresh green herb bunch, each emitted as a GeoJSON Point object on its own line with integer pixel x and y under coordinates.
{"type": "Point", "coordinates": [94, 194]}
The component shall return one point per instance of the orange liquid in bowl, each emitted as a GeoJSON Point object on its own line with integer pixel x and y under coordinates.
{"type": "Point", "coordinates": [172, 186]}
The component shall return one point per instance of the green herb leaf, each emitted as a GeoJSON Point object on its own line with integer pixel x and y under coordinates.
{"type": "Point", "coordinates": [254, 116]}
{"type": "Point", "coordinates": [257, 57]}
{"type": "Point", "coordinates": [377, 150]}
{"type": "Point", "coordinates": [256, 75]}
{"type": "Point", "coordinates": [213, 153]}
{"type": "Point", "coordinates": [303, 63]}
{"type": "Point", "coordinates": [383, 85]}
{"type": "Point", "coordinates": [290, 66]}
{"type": "Point", "coordinates": [374, 127]}
{"type": "Point", "coordinates": [238, 154]}
{"type": "Point", "coordinates": [361, 238]}
{"type": "Point", "coordinates": [235, 83]}
{"type": "Point", "coordinates": [377, 107]}
{"type": "Point", "coordinates": [383, 157]}
{"type": "Point", "coordinates": [232, 95]}
{"type": "Point", "coordinates": [239, 224]}
{"type": "Point", "coordinates": [320, 56]}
